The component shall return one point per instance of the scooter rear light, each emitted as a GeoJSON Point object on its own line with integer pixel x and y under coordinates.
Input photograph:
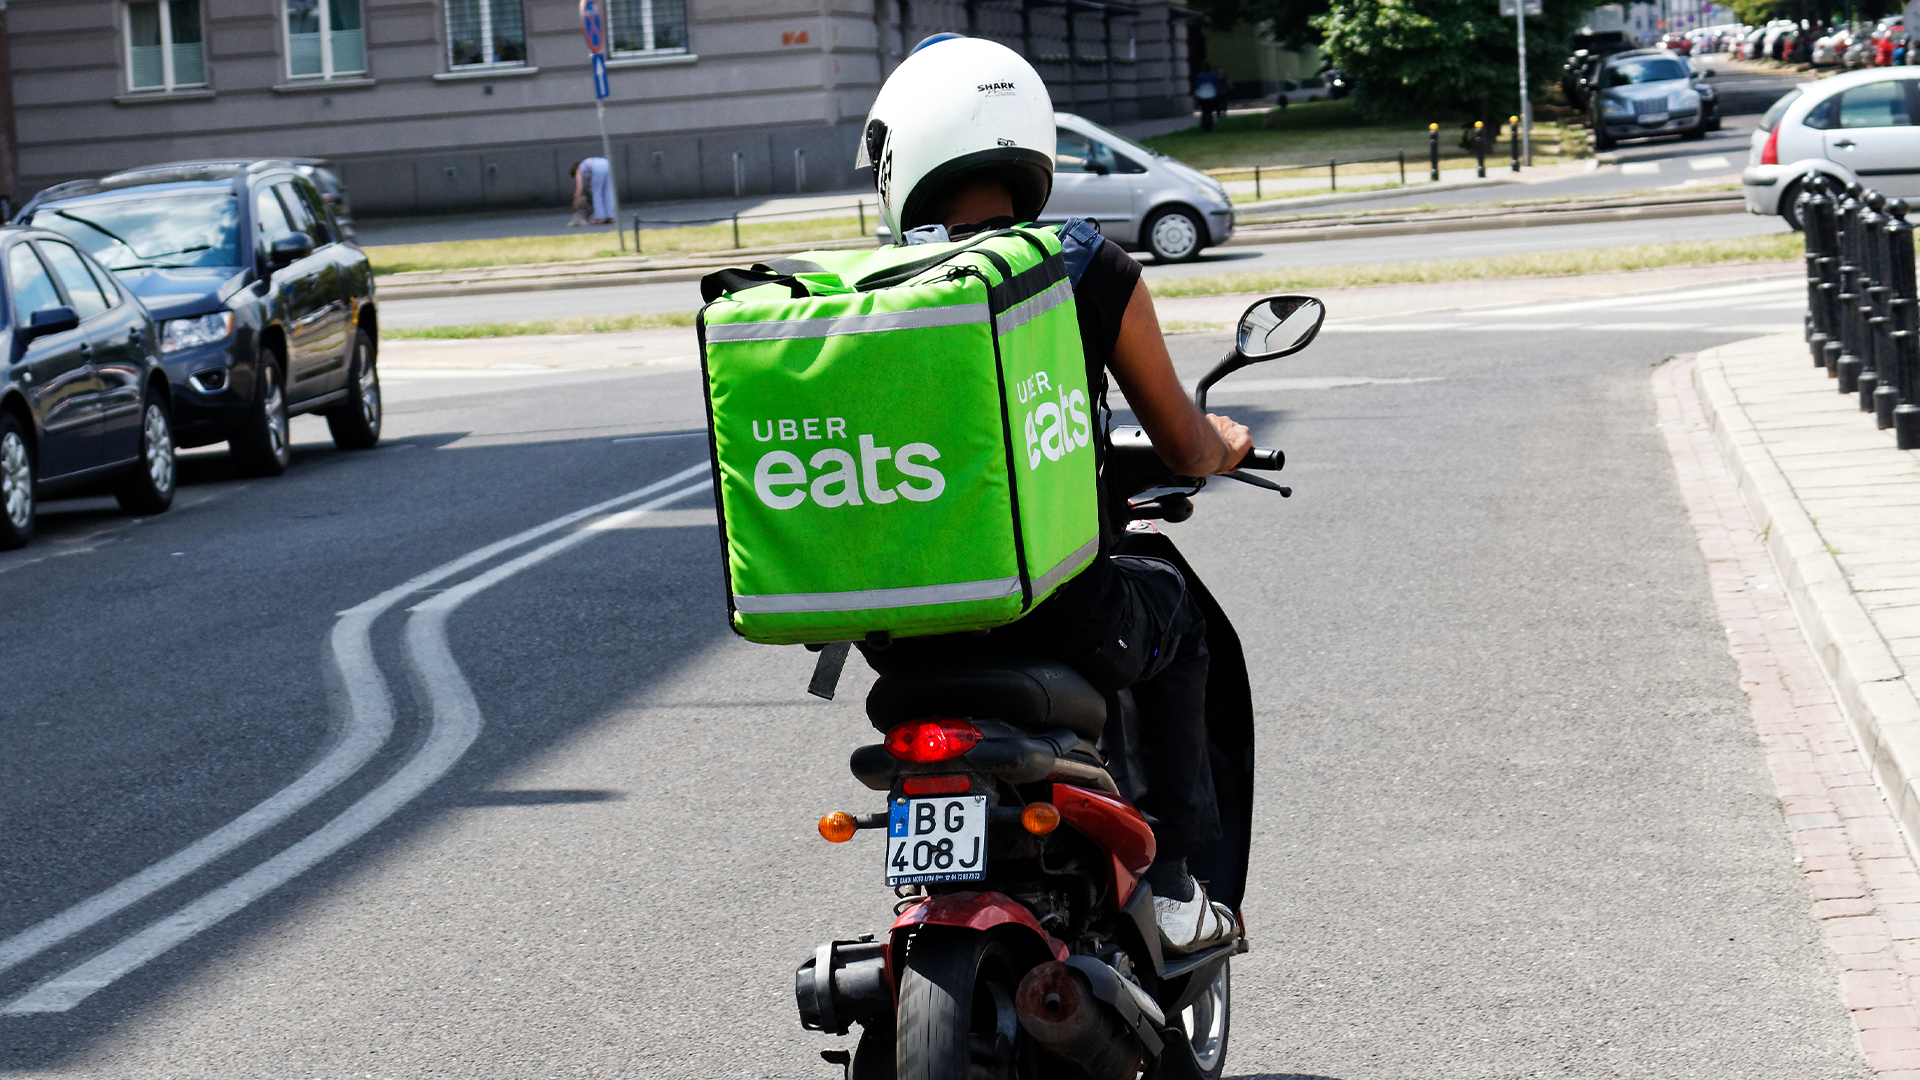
{"type": "Point", "coordinates": [931, 740]}
{"type": "Point", "coordinates": [935, 785]}
{"type": "Point", "coordinates": [1770, 153]}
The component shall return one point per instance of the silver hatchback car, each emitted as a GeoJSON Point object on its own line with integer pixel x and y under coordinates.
{"type": "Point", "coordinates": [1140, 198]}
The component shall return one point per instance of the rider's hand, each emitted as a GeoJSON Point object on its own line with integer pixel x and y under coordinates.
{"type": "Point", "coordinates": [1238, 439]}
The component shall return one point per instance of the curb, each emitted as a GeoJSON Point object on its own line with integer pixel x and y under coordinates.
{"type": "Point", "coordinates": [1874, 695]}
{"type": "Point", "coordinates": [1523, 220]}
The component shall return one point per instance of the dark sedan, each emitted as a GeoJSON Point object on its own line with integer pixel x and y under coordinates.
{"type": "Point", "coordinates": [84, 401]}
{"type": "Point", "coordinates": [265, 311]}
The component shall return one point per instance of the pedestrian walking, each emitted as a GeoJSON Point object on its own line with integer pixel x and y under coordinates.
{"type": "Point", "coordinates": [1206, 91]}
{"type": "Point", "coordinates": [593, 191]}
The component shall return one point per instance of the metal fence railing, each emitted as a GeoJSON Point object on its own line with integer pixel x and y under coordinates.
{"type": "Point", "coordinates": [859, 208]}
{"type": "Point", "coordinates": [1863, 312]}
{"type": "Point", "coordinates": [1483, 144]}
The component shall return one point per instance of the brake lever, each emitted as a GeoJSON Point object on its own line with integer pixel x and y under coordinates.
{"type": "Point", "coordinates": [1259, 482]}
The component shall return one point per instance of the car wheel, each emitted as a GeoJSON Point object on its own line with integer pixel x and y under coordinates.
{"type": "Point", "coordinates": [356, 425]}
{"type": "Point", "coordinates": [1175, 235]}
{"type": "Point", "coordinates": [16, 484]}
{"type": "Point", "coordinates": [1602, 142]}
{"type": "Point", "coordinates": [262, 448]}
{"type": "Point", "coordinates": [149, 488]}
{"type": "Point", "coordinates": [1699, 132]}
{"type": "Point", "coordinates": [1789, 205]}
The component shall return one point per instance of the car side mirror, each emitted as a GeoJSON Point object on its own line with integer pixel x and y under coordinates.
{"type": "Point", "coordinates": [291, 247]}
{"type": "Point", "coordinates": [1097, 169]}
{"type": "Point", "coordinates": [1273, 327]}
{"type": "Point", "coordinates": [52, 319]}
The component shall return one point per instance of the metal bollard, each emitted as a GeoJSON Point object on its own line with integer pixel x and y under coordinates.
{"type": "Point", "coordinates": [636, 234]}
{"type": "Point", "coordinates": [1480, 147]}
{"type": "Point", "coordinates": [1878, 295]}
{"type": "Point", "coordinates": [736, 228]}
{"type": "Point", "coordinates": [1333, 176]}
{"type": "Point", "coordinates": [1897, 376]}
{"type": "Point", "coordinates": [1256, 183]}
{"type": "Point", "coordinates": [1403, 168]}
{"type": "Point", "coordinates": [1816, 217]}
{"type": "Point", "coordinates": [1848, 312]}
{"type": "Point", "coordinates": [1433, 152]}
{"type": "Point", "coordinates": [1513, 140]}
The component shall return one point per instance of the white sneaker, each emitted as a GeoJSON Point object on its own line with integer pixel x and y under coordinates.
{"type": "Point", "coordinates": [1191, 925]}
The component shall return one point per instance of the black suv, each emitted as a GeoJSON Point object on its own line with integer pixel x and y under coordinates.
{"type": "Point", "coordinates": [82, 396]}
{"type": "Point", "coordinates": [265, 311]}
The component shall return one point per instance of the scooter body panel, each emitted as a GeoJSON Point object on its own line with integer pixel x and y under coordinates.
{"type": "Point", "coordinates": [978, 911]}
{"type": "Point", "coordinates": [1116, 826]}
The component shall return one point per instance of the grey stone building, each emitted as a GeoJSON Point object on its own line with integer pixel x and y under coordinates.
{"type": "Point", "coordinates": [444, 105]}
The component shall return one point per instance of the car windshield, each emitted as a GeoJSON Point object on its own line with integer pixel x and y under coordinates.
{"type": "Point", "coordinates": [192, 229]}
{"type": "Point", "coordinates": [1651, 69]}
{"type": "Point", "coordinates": [1119, 142]}
{"type": "Point", "coordinates": [1775, 110]}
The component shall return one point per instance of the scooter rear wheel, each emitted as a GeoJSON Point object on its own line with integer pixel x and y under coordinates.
{"type": "Point", "coordinates": [955, 1019]}
{"type": "Point", "coordinates": [1205, 1023]}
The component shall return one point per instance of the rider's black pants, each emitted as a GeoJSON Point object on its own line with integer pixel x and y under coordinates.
{"type": "Point", "coordinates": [1129, 623]}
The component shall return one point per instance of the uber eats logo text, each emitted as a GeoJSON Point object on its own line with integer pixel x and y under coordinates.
{"type": "Point", "coordinates": [783, 482]}
{"type": "Point", "coordinates": [1054, 428]}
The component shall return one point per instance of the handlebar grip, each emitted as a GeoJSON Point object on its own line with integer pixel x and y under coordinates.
{"type": "Point", "coordinates": [1264, 457]}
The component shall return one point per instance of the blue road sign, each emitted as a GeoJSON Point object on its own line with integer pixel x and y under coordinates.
{"type": "Point", "coordinates": [601, 89]}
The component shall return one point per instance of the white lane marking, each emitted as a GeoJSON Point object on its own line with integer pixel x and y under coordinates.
{"type": "Point", "coordinates": [369, 723]}
{"type": "Point", "coordinates": [1309, 382]}
{"type": "Point", "coordinates": [1629, 300]}
{"type": "Point", "coordinates": [674, 435]}
{"type": "Point", "coordinates": [1371, 328]}
{"type": "Point", "coordinates": [1640, 168]}
{"type": "Point", "coordinates": [455, 723]}
{"type": "Point", "coordinates": [1702, 164]}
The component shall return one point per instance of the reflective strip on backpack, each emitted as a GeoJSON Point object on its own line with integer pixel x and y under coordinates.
{"type": "Point", "coordinates": [834, 326]}
{"type": "Point", "coordinates": [912, 596]}
{"type": "Point", "coordinates": [1059, 293]}
{"type": "Point", "coordinates": [874, 599]}
{"type": "Point", "coordinates": [1065, 568]}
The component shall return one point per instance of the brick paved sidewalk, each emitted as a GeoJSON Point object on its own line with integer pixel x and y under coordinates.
{"type": "Point", "coordinates": [1810, 521]}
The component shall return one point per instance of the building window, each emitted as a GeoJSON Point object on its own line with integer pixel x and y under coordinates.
{"type": "Point", "coordinates": [648, 26]}
{"type": "Point", "coordinates": [325, 38]}
{"type": "Point", "coordinates": [165, 50]}
{"type": "Point", "coordinates": [485, 33]}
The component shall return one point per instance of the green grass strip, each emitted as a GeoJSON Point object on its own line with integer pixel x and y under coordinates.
{"type": "Point", "coordinates": [1547, 264]}
{"type": "Point", "coordinates": [595, 324]}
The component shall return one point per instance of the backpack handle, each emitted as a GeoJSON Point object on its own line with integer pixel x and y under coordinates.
{"type": "Point", "coordinates": [733, 279]}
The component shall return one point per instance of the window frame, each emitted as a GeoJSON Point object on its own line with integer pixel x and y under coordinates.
{"type": "Point", "coordinates": [486, 35]}
{"type": "Point", "coordinates": [646, 30]}
{"type": "Point", "coordinates": [327, 72]}
{"type": "Point", "coordinates": [168, 84]}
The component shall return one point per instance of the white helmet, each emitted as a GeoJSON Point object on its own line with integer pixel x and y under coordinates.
{"type": "Point", "coordinates": [958, 106]}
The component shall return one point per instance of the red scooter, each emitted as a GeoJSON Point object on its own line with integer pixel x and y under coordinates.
{"type": "Point", "coordinates": [1025, 944]}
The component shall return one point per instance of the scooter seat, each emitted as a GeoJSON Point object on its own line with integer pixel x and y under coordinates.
{"type": "Point", "coordinates": [1040, 695]}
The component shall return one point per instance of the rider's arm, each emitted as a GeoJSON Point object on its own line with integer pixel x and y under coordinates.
{"type": "Point", "coordinates": [1192, 443]}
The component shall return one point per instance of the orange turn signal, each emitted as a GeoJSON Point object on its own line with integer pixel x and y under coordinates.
{"type": "Point", "coordinates": [838, 827]}
{"type": "Point", "coordinates": [1039, 818]}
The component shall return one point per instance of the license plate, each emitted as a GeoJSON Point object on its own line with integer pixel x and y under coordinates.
{"type": "Point", "coordinates": [1653, 118]}
{"type": "Point", "coordinates": [937, 840]}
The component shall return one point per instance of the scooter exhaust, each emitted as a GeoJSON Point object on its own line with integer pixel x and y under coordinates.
{"type": "Point", "coordinates": [1058, 1010]}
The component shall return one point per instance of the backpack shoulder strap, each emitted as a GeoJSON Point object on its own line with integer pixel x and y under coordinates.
{"type": "Point", "coordinates": [1079, 240]}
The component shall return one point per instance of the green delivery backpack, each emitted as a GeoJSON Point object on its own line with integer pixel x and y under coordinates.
{"type": "Point", "coordinates": [902, 439]}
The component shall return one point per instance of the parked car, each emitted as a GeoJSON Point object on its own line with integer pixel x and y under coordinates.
{"type": "Point", "coordinates": [332, 192]}
{"type": "Point", "coordinates": [84, 401]}
{"type": "Point", "coordinates": [264, 312]}
{"type": "Point", "coordinates": [1142, 199]}
{"type": "Point", "coordinates": [1312, 88]}
{"type": "Point", "coordinates": [1856, 127]}
{"type": "Point", "coordinates": [1677, 43]}
{"type": "Point", "coordinates": [1650, 92]}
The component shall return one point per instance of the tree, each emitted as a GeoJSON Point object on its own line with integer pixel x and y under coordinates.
{"type": "Point", "coordinates": [1429, 58]}
{"type": "Point", "coordinates": [1289, 21]}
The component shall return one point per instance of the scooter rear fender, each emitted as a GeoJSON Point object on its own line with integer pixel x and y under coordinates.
{"type": "Point", "coordinates": [977, 911]}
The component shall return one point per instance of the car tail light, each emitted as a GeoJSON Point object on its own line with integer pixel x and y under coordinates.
{"type": "Point", "coordinates": [931, 740]}
{"type": "Point", "coordinates": [935, 785]}
{"type": "Point", "coordinates": [1770, 153]}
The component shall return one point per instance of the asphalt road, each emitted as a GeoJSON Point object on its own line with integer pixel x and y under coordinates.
{"type": "Point", "coordinates": [1513, 818]}
{"type": "Point", "coordinates": [685, 295]}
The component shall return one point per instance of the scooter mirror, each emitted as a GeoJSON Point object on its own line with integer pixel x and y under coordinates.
{"type": "Point", "coordinates": [1279, 326]}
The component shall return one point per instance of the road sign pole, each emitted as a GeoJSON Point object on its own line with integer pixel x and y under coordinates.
{"type": "Point", "coordinates": [1526, 105]}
